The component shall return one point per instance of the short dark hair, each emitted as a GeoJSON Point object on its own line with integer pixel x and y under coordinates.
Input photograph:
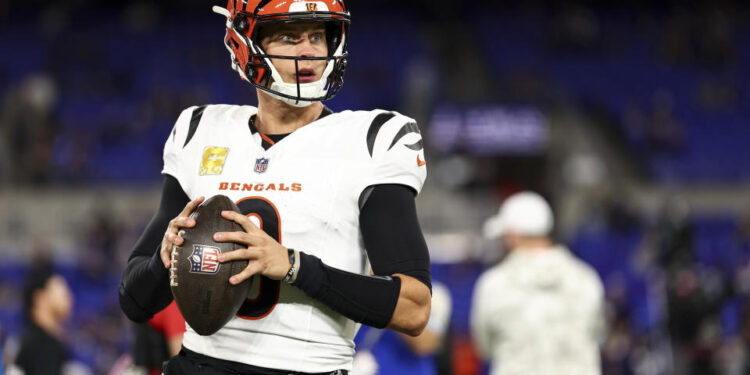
{"type": "Point", "coordinates": [36, 279]}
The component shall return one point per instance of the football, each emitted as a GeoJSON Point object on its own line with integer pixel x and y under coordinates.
{"type": "Point", "coordinates": [200, 284]}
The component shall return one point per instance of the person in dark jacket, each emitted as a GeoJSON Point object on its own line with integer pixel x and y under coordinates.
{"type": "Point", "coordinates": [47, 306]}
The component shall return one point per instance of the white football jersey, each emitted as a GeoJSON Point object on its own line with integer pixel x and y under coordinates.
{"type": "Point", "coordinates": [305, 191]}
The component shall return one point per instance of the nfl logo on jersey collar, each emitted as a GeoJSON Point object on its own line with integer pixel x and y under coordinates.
{"type": "Point", "coordinates": [261, 165]}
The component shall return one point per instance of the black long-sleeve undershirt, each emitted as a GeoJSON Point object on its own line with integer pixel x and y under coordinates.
{"type": "Point", "coordinates": [144, 290]}
{"type": "Point", "coordinates": [391, 235]}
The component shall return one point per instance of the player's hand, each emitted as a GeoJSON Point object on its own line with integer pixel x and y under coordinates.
{"type": "Point", "coordinates": [172, 237]}
{"type": "Point", "coordinates": [264, 254]}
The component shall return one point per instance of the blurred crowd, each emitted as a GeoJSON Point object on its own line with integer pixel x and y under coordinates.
{"type": "Point", "coordinates": [696, 298]}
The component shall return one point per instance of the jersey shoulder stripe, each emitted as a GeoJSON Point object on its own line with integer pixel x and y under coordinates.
{"type": "Point", "coordinates": [377, 123]}
{"type": "Point", "coordinates": [393, 145]}
{"type": "Point", "coordinates": [179, 130]}
{"type": "Point", "coordinates": [186, 126]}
{"type": "Point", "coordinates": [387, 129]}
{"type": "Point", "coordinates": [398, 125]}
{"type": "Point", "coordinates": [409, 127]}
{"type": "Point", "coordinates": [195, 126]}
{"type": "Point", "coordinates": [195, 120]}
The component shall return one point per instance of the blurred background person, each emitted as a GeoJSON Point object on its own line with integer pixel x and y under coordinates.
{"type": "Point", "coordinates": [158, 340]}
{"type": "Point", "coordinates": [387, 352]}
{"type": "Point", "coordinates": [541, 310]}
{"type": "Point", "coordinates": [47, 304]}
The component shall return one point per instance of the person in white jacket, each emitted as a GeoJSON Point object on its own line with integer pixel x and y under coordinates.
{"type": "Point", "coordinates": [539, 311]}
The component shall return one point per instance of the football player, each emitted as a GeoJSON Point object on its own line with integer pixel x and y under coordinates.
{"type": "Point", "coordinates": [324, 196]}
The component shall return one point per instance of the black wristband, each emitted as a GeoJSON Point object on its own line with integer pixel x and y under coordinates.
{"type": "Point", "coordinates": [312, 279]}
{"type": "Point", "coordinates": [370, 300]}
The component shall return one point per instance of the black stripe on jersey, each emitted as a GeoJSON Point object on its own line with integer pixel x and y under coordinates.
{"type": "Point", "coordinates": [375, 126]}
{"type": "Point", "coordinates": [416, 146]}
{"type": "Point", "coordinates": [406, 129]}
{"type": "Point", "coordinates": [194, 121]}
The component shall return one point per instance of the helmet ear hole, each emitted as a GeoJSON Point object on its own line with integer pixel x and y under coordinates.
{"type": "Point", "coordinates": [240, 23]}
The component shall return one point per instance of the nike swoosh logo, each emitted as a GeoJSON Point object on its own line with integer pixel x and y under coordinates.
{"type": "Point", "coordinates": [420, 162]}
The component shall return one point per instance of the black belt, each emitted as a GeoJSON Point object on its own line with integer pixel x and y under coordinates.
{"type": "Point", "coordinates": [231, 367]}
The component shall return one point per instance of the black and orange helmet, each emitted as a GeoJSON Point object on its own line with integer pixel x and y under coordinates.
{"type": "Point", "coordinates": [246, 17]}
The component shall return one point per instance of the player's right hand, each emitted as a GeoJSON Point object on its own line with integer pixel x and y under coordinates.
{"type": "Point", "coordinates": [171, 236]}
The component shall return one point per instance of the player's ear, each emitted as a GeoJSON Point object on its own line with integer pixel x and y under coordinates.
{"type": "Point", "coordinates": [38, 298]}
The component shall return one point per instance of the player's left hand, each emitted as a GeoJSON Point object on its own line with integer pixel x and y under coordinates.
{"type": "Point", "coordinates": [265, 255]}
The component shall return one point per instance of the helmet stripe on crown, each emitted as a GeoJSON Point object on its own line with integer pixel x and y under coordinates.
{"type": "Point", "coordinates": [261, 4]}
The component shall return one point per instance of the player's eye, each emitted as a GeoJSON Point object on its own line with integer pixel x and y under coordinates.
{"type": "Point", "coordinates": [317, 37]}
{"type": "Point", "coordinates": [287, 38]}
